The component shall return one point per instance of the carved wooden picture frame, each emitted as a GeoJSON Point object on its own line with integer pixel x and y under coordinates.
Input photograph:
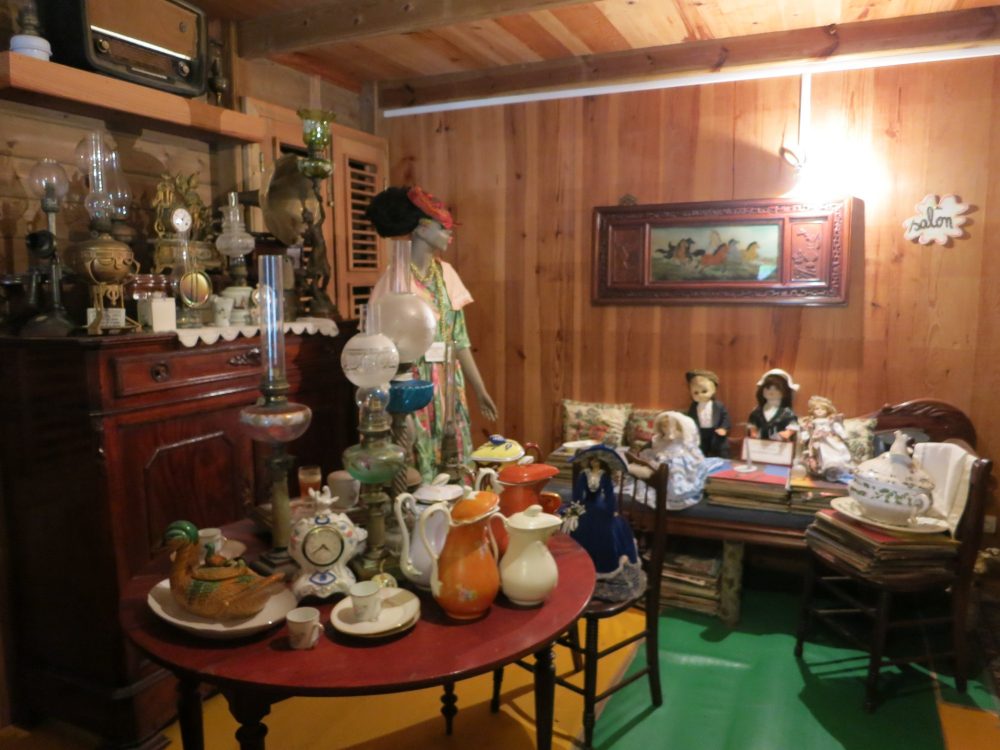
{"type": "Point", "coordinates": [766, 251]}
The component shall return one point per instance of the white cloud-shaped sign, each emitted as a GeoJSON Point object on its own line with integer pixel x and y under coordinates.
{"type": "Point", "coordinates": [936, 222]}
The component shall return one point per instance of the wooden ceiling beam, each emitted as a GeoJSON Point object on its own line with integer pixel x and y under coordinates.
{"type": "Point", "coordinates": [350, 20]}
{"type": "Point", "coordinates": [962, 28]}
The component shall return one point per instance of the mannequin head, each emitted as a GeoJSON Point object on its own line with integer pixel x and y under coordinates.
{"type": "Point", "coordinates": [702, 384]}
{"type": "Point", "coordinates": [398, 210]}
{"type": "Point", "coordinates": [433, 233]}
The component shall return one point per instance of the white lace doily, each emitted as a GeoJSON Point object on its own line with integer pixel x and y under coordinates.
{"type": "Point", "coordinates": [210, 334]}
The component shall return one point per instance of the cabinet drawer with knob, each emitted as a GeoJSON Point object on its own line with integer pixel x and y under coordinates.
{"type": "Point", "coordinates": [140, 374]}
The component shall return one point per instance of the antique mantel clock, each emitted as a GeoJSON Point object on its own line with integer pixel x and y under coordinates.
{"type": "Point", "coordinates": [322, 544]}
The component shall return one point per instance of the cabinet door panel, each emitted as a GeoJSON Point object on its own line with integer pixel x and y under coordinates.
{"type": "Point", "coordinates": [196, 468]}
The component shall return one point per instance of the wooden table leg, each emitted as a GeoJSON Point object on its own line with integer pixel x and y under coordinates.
{"type": "Point", "coordinates": [545, 695]}
{"type": "Point", "coordinates": [249, 710]}
{"type": "Point", "coordinates": [448, 710]}
{"type": "Point", "coordinates": [189, 714]}
{"type": "Point", "coordinates": [732, 583]}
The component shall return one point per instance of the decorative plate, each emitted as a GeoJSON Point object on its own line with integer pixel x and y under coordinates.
{"type": "Point", "coordinates": [161, 601]}
{"type": "Point", "coordinates": [400, 610]}
{"type": "Point", "coordinates": [921, 524]}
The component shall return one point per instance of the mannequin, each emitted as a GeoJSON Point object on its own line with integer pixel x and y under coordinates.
{"type": "Point", "coordinates": [400, 211]}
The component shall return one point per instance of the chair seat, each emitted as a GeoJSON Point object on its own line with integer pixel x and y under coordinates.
{"type": "Point", "coordinates": [600, 609]}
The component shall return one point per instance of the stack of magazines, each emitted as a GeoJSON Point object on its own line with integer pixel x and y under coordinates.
{"type": "Point", "coordinates": [764, 488]}
{"type": "Point", "coordinates": [807, 495]}
{"type": "Point", "coordinates": [691, 581]}
{"type": "Point", "coordinates": [875, 551]}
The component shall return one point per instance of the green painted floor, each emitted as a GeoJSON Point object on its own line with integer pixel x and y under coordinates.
{"type": "Point", "coordinates": [744, 690]}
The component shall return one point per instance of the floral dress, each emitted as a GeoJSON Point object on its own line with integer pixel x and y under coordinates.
{"type": "Point", "coordinates": [429, 422]}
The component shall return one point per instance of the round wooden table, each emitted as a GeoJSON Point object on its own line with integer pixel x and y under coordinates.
{"type": "Point", "coordinates": [257, 671]}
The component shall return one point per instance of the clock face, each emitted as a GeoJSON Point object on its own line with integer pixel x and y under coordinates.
{"type": "Point", "coordinates": [180, 219]}
{"type": "Point", "coordinates": [322, 546]}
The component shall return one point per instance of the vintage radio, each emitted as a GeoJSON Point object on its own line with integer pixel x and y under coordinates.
{"type": "Point", "coordinates": [159, 43]}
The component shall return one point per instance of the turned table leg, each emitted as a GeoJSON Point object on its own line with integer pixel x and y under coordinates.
{"type": "Point", "coordinates": [249, 711]}
{"type": "Point", "coordinates": [189, 714]}
{"type": "Point", "coordinates": [448, 710]}
{"type": "Point", "coordinates": [545, 694]}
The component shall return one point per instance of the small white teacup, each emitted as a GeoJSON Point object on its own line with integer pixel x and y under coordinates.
{"type": "Point", "coordinates": [303, 627]}
{"type": "Point", "coordinates": [366, 600]}
{"type": "Point", "coordinates": [210, 541]}
{"type": "Point", "coordinates": [222, 310]}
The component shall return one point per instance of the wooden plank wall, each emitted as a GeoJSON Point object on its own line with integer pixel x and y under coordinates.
{"type": "Point", "coordinates": [523, 180]}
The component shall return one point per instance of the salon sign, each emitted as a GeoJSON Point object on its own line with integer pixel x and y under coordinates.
{"type": "Point", "coordinates": [936, 221]}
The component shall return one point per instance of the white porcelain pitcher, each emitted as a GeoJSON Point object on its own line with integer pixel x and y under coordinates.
{"type": "Point", "coordinates": [415, 559]}
{"type": "Point", "coordinates": [528, 572]}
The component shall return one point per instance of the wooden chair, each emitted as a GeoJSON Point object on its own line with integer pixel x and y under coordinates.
{"type": "Point", "coordinates": [646, 514]}
{"type": "Point", "coordinates": [871, 595]}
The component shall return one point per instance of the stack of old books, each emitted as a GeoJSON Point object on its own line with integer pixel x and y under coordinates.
{"type": "Point", "coordinates": [764, 488]}
{"type": "Point", "coordinates": [806, 495]}
{"type": "Point", "coordinates": [691, 581]}
{"type": "Point", "coordinates": [876, 551]}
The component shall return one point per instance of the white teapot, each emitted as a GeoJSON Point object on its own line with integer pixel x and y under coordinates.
{"type": "Point", "coordinates": [892, 488]}
{"type": "Point", "coordinates": [528, 572]}
{"type": "Point", "coordinates": [415, 560]}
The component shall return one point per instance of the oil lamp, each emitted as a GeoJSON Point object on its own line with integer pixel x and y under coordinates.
{"type": "Point", "coordinates": [235, 242]}
{"type": "Point", "coordinates": [48, 181]}
{"type": "Point", "coordinates": [274, 419]}
{"type": "Point", "coordinates": [316, 167]}
{"type": "Point", "coordinates": [103, 261]}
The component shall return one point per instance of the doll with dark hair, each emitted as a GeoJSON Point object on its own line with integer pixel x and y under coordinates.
{"type": "Point", "coordinates": [399, 211]}
{"type": "Point", "coordinates": [773, 419]}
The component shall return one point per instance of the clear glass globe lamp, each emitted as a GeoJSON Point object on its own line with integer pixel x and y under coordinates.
{"type": "Point", "coordinates": [48, 181]}
{"type": "Point", "coordinates": [403, 316]}
{"type": "Point", "coordinates": [234, 241]}
{"type": "Point", "coordinates": [117, 187]}
{"type": "Point", "coordinates": [370, 358]}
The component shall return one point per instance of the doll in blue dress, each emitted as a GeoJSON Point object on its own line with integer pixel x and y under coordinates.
{"type": "Point", "coordinates": [594, 522]}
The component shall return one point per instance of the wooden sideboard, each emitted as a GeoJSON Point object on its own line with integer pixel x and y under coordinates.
{"type": "Point", "coordinates": [105, 441]}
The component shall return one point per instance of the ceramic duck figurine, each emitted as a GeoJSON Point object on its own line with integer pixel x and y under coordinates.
{"type": "Point", "coordinates": [220, 589]}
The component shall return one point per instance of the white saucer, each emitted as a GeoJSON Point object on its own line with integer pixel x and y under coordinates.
{"type": "Point", "coordinates": [921, 524]}
{"type": "Point", "coordinates": [161, 601]}
{"type": "Point", "coordinates": [400, 610]}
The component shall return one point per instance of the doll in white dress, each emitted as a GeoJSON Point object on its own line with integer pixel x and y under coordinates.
{"type": "Point", "coordinates": [824, 440]}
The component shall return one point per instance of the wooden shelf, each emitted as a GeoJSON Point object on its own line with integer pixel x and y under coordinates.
{"type": "Point", "coordinates": [55, 86]}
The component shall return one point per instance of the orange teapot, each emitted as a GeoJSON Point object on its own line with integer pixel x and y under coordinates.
{"type": "Point", "coordinates": [465, 576]}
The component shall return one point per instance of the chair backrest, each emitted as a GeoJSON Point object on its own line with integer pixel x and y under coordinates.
{"type": "Point", "coordinates": [939, 420]}
{"type": "Point", "coordinates": [970, 527]}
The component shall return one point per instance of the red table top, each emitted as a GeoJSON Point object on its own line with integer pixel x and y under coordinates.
{"type": "Point", "coordinates": [434, 651]}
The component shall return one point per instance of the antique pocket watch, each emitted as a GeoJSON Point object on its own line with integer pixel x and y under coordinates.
{"type": "Point", "coordinates": [322, 544]}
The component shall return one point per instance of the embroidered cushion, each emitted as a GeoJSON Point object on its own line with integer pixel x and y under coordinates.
{"type": "Point", "coordinates": [594, 421]}
{"type": "Point", "coordinates": [639, 428]}
{"type": "Point", "coordinates": [860, 438]}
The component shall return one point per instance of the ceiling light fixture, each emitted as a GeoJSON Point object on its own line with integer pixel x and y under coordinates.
{"type": "Point", "coordinates": [830, 65]}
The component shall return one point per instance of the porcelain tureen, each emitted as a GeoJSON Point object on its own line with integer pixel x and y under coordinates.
{"type": "Point", "coordinates": [892, 488]}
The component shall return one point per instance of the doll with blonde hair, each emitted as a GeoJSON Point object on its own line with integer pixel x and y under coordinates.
{"type": "Point", "coordinates": [823, 440]}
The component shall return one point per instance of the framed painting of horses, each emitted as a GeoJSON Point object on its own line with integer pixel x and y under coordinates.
{"type": "Point", "coordinates": [767, 251]}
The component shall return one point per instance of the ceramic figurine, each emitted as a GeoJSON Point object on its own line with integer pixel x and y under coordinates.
{"type": "Point", "coordinates": [323, 543]}
{"type": "Point", "coordinates": [220, 589]}
{"type": "Point", "coordinates": [708, 413]}
{"type": "Point", "coordinates": [594, 522]}
{"type": "Point", "coordinates": [675, 443]}
{"type": "Point", "coordinates": [773, 419]}
{"type": "Point", "coordinates": [528, 572]}
{"type": "Point", "coordinates": [823, 440]}
{"type": "Point", "coordinates": [398, 211]}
